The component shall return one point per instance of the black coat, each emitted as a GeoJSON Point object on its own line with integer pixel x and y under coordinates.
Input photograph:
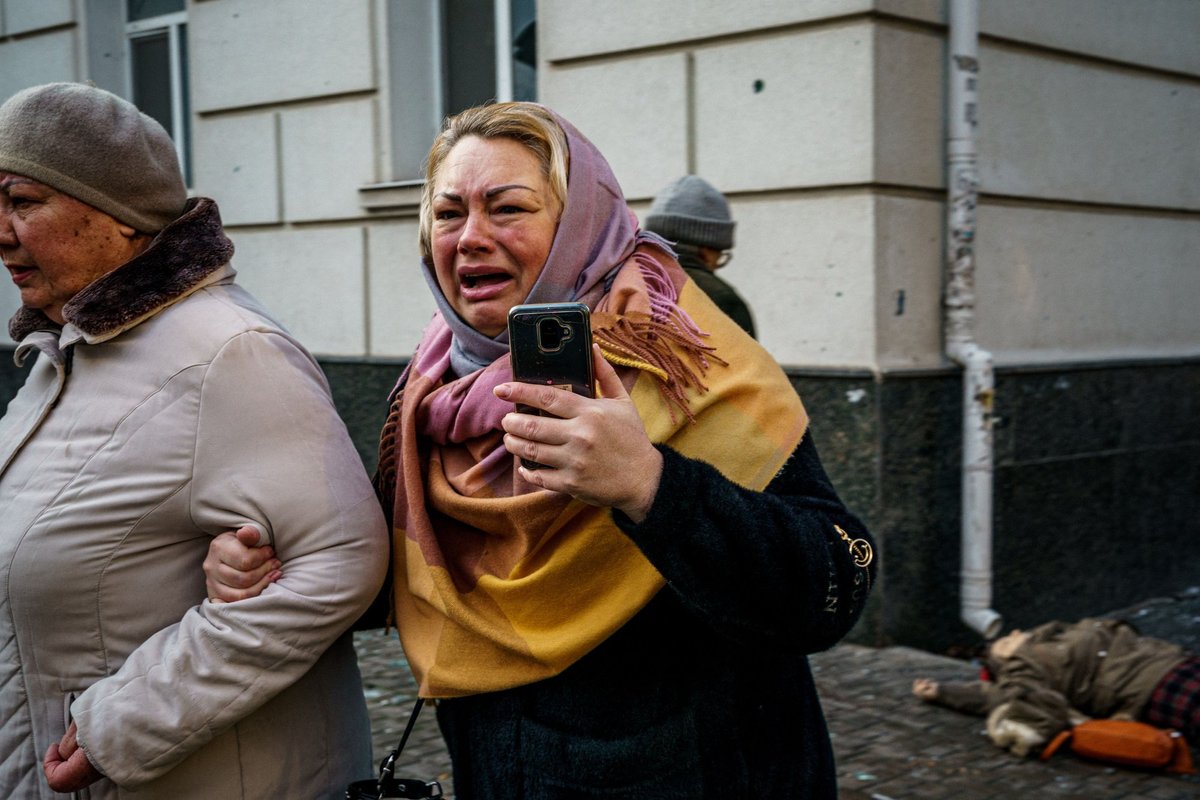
{"type": "Point", "coordinates": [707, 692]}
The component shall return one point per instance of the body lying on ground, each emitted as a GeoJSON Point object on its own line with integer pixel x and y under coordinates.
{"type": "Point", "coordinates": [1045, 680]}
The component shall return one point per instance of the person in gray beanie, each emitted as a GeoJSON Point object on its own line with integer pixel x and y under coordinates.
{"type": "Point", "coordinates": [164, 407]}
{"type": "Point", "coordinates": [694, 215]}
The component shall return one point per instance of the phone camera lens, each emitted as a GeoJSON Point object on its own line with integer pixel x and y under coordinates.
{"type": "Point", "coordinates": [552, 334]}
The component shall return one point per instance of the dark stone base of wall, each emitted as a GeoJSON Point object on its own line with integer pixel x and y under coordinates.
{"type": "Point", "coordinates": [1096, 500]}
{"type": "Point", "coordinates": [360, 392]}
{"type": "Point", "coordinates": [12, 377]}
{"type": "Point", "coordinates": [1096, 494]}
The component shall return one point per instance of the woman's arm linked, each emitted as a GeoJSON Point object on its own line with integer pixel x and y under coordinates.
{"type": "Point", "coordinates": [788, 566]}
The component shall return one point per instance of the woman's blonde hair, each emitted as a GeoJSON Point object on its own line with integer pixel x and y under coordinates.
{"type": "Point", "coordinates": [528, 123]}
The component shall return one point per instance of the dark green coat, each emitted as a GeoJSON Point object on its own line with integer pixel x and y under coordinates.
{"type": "Point", "coordinates": [721, 293]}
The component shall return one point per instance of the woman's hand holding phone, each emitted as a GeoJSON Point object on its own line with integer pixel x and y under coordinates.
{"type": "Point", "coordinates": [594, 449]}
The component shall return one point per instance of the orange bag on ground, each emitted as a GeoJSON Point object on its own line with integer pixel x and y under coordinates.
{"type": "Point", "coordinates": [1121, 741]}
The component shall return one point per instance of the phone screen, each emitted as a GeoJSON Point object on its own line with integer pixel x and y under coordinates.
{"type": "Point", "coordinates": [551, 345]}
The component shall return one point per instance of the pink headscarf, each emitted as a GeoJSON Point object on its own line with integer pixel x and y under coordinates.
{"type": "Point", "coordinates": [596, 235]}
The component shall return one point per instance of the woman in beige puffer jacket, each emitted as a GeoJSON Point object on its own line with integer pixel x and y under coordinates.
{"type": "Point", "coordinates": [163, 406]}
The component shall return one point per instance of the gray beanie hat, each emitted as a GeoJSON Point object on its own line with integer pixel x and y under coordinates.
{"type": "Point", "coordinates": [691, 211]}
{"type": "Point", "coordinates": [96, 147]}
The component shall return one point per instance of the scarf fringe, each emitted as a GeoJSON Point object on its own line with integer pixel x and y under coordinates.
{"type": "Point", "coordinates": [387, 469]}
{"type": "Point", "coordinates": [668, 345]}
{"type": "Point", "coordinates": [624, 361]}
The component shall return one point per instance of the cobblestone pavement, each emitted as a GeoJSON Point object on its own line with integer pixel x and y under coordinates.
{"type": "Point", "coordinates": [889, 745]}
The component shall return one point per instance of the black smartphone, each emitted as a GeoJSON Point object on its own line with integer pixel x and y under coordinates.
{"type": "Point", "coordinates": [551, 345]}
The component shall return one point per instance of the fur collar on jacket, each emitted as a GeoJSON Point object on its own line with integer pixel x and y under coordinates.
{"type": "Point", "coordinates": [180, 256]}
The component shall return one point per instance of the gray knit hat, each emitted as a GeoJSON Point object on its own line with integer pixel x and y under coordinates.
{"type": "Point", "coordinates": [691, 211]}
{"type": "Point", "coordinates": [96, 147]}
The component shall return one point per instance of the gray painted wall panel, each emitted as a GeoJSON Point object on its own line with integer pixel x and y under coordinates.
{"type": "Point", "coordinates": [246, 52]}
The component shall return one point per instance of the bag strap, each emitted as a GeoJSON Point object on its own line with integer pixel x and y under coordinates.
{"type": "Point", "coordinates": [388, 768]}
{"type": "Point", "coordinates": [1181, 762]}
{"type": "Point", "coordinates": [1056, 743]}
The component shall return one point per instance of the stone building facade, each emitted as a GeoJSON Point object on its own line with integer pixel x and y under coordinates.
{"type": "Point", "coordinates": [824, 121]}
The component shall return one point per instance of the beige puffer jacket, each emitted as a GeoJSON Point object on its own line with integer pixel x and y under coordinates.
{"type": "Point", "coordinates": [171, 407]}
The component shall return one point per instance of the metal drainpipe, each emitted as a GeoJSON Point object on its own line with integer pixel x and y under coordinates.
{"type": "Point", "coordinates": [962, 181]}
